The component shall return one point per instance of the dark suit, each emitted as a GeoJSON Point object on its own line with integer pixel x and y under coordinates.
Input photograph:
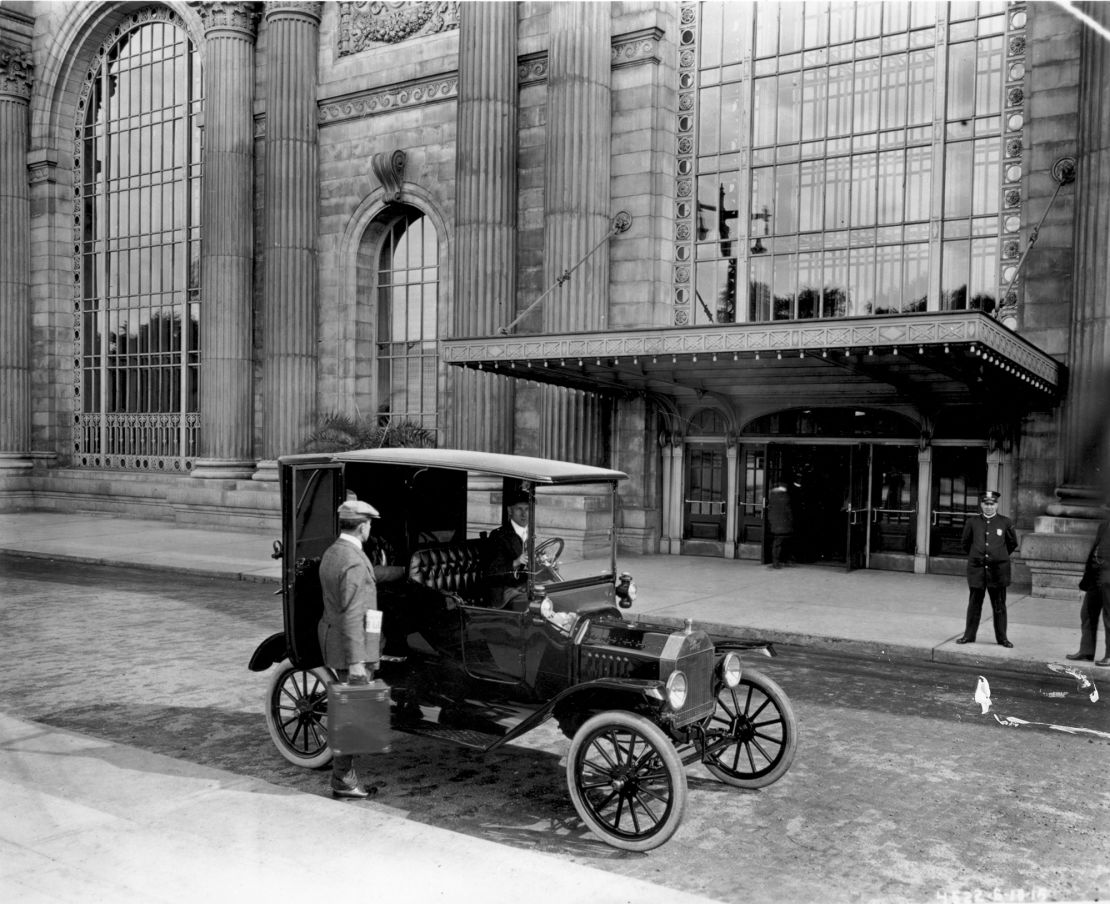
{"type": "Point", "coordinates": [988, 545]}
{"type": "Point", "coordinates": [1096, 599]}
{"type": "Point", "coordinates": [347, 582]}
{"type": "Point", "coordinates": [507, 581]}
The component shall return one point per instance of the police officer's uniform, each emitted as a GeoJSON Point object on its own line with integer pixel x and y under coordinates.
{"type": "Point", "coordinates": [988, 543]}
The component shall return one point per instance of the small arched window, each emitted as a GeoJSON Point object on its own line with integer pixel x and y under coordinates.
{"type": "Point", "coordinates": [408, 284]}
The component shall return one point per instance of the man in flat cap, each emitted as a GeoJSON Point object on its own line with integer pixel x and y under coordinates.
{"type": "Point", "coordinates": [988, 540]}
{"type": "Point", "coordinates": [347, 582]}
{"type": "Point", "coordinates": [507, 562]}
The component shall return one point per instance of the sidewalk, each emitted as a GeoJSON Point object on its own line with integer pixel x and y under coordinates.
{"type": "Point", "coordinates": [878, 614]}
{"type": "Point", "coordinates": [85, 819]}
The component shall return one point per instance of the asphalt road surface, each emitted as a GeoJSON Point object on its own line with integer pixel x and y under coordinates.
{"type": "Point", "coordinates": [903, 789]}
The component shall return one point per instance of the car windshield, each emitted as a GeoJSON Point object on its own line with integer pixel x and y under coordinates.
{"type": "Point", "coordinates": [581, 516]}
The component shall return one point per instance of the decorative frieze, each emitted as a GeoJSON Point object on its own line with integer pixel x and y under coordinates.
{"type": "Point", "coordinates": [996, 345]}
{"type": "Point", "coordinates": [393, 97]}
{"type": "Point", "coordinates": [372, 23]}
{"type": "Point", "coordinates": [630, 49]}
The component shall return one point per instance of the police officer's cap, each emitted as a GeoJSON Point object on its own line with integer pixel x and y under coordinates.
{"type": "Point", "coordinates": [357, 510]}
{"type": "Point", "coordinates": [989, 496]}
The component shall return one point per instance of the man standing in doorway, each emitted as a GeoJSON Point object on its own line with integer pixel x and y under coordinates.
{"type": "Point", "coordinates": [988, 540]}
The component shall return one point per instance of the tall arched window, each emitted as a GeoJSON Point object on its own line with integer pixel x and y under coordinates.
{"type": "Point", "coordinates": [137, 181]}
{"type": "Point", "coordinates": [408, 280]}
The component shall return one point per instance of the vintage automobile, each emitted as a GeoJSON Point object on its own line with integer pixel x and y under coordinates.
{"type": "Point", "coordinates": [640, 701]}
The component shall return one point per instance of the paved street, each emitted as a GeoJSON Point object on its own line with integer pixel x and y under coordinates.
{"type": "Point", "coordinates": [902, 789]}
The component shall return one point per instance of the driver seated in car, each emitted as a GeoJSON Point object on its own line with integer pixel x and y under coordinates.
{"type": "Point", "coordinates": [507, 564]}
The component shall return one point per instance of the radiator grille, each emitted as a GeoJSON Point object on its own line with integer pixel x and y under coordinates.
{"type": "Point", "coordinates": [700, 701]}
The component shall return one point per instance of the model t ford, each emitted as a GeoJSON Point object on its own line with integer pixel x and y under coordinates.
{"type": "Point", "coordinates": [639, 701]}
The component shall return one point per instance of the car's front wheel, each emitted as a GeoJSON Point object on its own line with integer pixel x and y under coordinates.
{"type": "Point", "coordinates": [752, 735]}
{"type": "Point", "coordinates": [297, 714]}
{"type": "Point", "coordinates": [626, 781]}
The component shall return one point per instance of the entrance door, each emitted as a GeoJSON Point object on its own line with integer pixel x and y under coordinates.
{"type": "Point", "coordinates": [959, 473]}
{"type": "Point", "coordinates": [706, 489]}
{"type": "Point", "coordinates": [858, 506]}
{"type": "Point", "coordinates": [819, 480]}
{"type": "Point", "coordinates": [893, 507]}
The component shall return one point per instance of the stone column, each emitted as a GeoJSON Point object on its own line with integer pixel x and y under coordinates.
{"type": "Point", "coordinates": [1056, 550]}
{"type": "Point", "coordinates": [577, 150]}
{"type": "Point", "coordinates": [227, 247]}
{"type": "Point", "coordinates": [485, 216]}
{"type": "Point", "coordinates": [15, 260]}
{"type": "Point", "coordinates": [924, 509]}
{"type": "Point", "coordinates": [1086, 407]}
{"type": "Point", "coordinates": [289, 256]}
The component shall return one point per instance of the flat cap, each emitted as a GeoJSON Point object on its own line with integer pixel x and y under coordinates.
{"type": "Point", "coordinates": [357, 510]}
{"type": "Point", "coordinates": [989, 496]}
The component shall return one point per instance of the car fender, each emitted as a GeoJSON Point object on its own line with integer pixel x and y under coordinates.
{"type": "Point", "coordinates": [636, 689]}
{"type": "Point", "coordinates": [271, 651]}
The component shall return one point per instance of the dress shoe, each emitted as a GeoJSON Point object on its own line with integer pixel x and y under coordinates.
{"type": "Point", "coordinates": [1080, 657]}
{"type": "Point", "coordinates": [353, 792]}
{"type": "Point", "coordinates": [1104, 662]}
{"type": "Point", "coordinates": [1006, 643]}
{"type": "Point", "coordinates": [964, 640]}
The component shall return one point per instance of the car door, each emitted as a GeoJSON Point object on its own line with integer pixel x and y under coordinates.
{"type": "Point", "coordinates": [493, 644]}
{"type": "Point", "coordinates": [311, 494]}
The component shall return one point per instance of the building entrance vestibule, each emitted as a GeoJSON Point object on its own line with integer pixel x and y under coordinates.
{"type": "Point", "coordinates": [858, 501]}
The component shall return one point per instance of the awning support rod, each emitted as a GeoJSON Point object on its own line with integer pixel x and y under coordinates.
{"type": "Point", "coordinates": [1063, 171]}
{"type": "Point", "coordinates": [619, 224]}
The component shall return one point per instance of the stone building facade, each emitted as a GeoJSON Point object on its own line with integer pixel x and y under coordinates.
{"type": "Point", "coordinates": [858, 247]}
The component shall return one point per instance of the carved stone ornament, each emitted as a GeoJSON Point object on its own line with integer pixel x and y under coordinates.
{"type": "Point", "coordinates": [367, 23]}
{"type": "Point", "coordinates": [16, 72]}
{"type": "Point", "coordinates": [390, 170]}
{"type": "Point", "coordinates": [240, 17]}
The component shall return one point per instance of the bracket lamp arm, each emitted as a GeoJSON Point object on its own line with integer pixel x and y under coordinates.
{"type": "Point", "coordinates": [620, 223]}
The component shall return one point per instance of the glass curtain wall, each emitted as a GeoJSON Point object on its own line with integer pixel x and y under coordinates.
{"type": "Point", "coordinates": [137, 317]}
{"type": "Point", "coordinates": [842, 159]}
{"type": "Point", "coordinates": [408, 289]}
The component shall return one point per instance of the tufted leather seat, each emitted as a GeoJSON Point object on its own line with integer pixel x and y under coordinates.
{"type": "Point", "coordinates": [455, 569]}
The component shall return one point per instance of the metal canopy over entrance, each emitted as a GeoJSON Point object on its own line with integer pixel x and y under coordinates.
{"type": "Point", "coordinates": [932, 359]}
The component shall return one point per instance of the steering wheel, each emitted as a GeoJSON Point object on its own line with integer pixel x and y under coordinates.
{"type": "Point", "coordinates": [548, 560]}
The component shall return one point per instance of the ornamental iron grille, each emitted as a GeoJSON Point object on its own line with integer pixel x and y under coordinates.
{"type": "Point", "coordinates": [136, 250]}
{"type": "Point", "coordinates": [847, 159]}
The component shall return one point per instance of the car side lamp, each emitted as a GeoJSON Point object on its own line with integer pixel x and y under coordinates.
{"type": "Point", "coordinates": [626, 590]}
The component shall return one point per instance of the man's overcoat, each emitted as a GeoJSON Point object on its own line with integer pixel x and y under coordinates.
{"type": "Point", "coordinates": [347, 582]}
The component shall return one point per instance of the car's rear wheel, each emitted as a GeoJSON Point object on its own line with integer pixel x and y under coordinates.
{"type": "Point", "coordinates": [752, 735]}
{"type": "Point", "coordinates": [626, 781]}
{"type": "Point", "coordinates": [297, 714]}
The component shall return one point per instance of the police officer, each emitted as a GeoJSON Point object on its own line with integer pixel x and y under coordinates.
{"type": "Point", "coordinates": [988, 540]}
{"type": "Point", "coordinates": [347, 584]}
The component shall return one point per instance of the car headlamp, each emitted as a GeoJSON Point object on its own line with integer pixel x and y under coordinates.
{"type": "Point", "coordinates": [676, 690]}
{"type": "Point", "coordinates": [730, 670]}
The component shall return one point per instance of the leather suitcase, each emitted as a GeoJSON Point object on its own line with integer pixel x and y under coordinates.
{"type": "Point", "coordinates": [358, 718]}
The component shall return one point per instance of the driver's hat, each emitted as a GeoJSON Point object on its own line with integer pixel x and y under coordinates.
{"type": "Point", "coordinates": [989, 497]}
{"type": "Point", "coordinates": [515, 497]}
{"type": "Point", "coordinates": [357, 510]}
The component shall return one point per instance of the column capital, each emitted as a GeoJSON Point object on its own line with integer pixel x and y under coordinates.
{"type": "Point", "coordinates": [241, 18]}
{"type": "Point", "coordinates": [294, 9]}
{"type": "Point", "coordinates": [16, 72]}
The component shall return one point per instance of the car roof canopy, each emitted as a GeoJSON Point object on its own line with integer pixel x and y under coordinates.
{"type": "Point", "coordinates": [522, 467]}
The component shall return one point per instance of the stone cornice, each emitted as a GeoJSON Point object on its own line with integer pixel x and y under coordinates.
{"type": "Point", "coordinates": [391, 97]}
{"type": "Point", "coordinates": [630, 49]}
{"type": "Point", "coordinates": [241, 18]}
{"type": "Point", "coordinates": [16, 72]}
